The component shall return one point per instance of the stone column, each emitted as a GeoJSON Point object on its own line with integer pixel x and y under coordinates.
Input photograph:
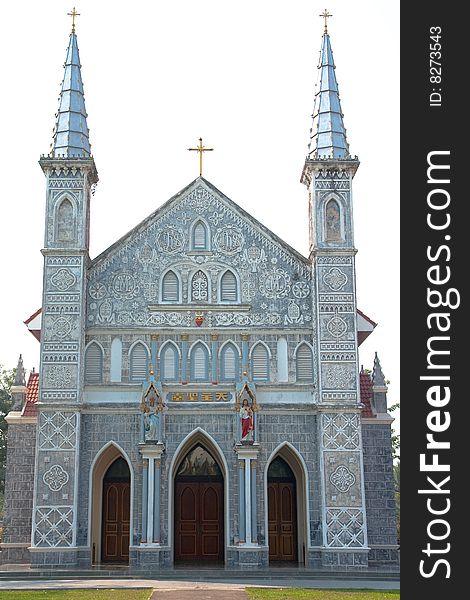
{"type": "Point", "coordinates": [246, 456]}
{"type": "Point", "coordinates": [145, 473]}
{"type": "Point", "coordinates": [151, 492]}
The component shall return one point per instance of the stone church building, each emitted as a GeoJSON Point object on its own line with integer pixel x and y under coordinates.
{"type": "Point", "coordinates": [199, 398]}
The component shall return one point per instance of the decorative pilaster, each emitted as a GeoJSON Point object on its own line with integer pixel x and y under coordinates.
{"type": "Point", "coordinates": [214, 353]}
{"type": "Point", "coordinates": [184, 358]}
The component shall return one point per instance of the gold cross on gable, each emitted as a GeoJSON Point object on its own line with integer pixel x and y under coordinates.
{"type": "Point", "coordinates": [201, 149]}
{"type": "Point", "coordinates": [325, 14]}
{"type": "Point", "coordinates": [73, 14]}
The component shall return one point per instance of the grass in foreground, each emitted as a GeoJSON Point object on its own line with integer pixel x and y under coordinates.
{"type": "Point", "coordinates": [89, 594]}
{"type": "Point", "coordinates": [311, 594]}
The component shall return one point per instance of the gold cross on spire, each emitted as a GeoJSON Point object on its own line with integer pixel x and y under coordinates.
{"type": "Point", "coordinates": [325, 14]}
{"type": "Point", "coordinates": [73, 14]}
{"type": "Point", "coordinates": [201, 149]}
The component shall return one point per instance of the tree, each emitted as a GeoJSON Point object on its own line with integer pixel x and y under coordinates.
{"type": "Point", "coordinates": [7, 377]}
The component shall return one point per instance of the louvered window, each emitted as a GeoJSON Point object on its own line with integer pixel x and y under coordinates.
{"type": "Point", "coordinates": [138, 363]}
{"type": "Point", "coordinates": [200, 363]}
{"type": "Point", "coordinates": [200, 237]}
{"type": "Point", "coordinates": [304, 363]}
{"type": "Point", "coordinates": [228, 287]}
{"type": "Point", "coordinates": [260, 363]}
{"type": "Point", "coordinates": [93, 364]}
{"type": "Point", "coordinates": [229, 363]}
{"type": "Point", "coordinates": [169, 363]}
{"type": "Point", "coordinates": [170, 289]}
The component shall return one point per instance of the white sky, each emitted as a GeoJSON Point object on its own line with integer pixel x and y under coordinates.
{"type": "Point", "coordinates": [157, 76]}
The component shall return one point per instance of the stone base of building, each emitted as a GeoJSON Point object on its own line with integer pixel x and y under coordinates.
{"type": "Point", "coordinates": [14, 554]}
{"type": "Point", "coordinates": [344, 558]}
{"type": "Point", "coordinates": [60, 557]}
{"type": "Point", "coordinates": [384, 556]}
{"type": "Point", "coordinates": [150, 557]}
{"type": "Point", "coordinates": [247, 557]}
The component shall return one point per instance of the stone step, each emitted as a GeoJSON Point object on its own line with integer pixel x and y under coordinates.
{"type": "Point", "coordinates": [199, 574]}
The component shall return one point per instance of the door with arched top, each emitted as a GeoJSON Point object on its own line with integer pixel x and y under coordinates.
{"type": "Point", "coordinates": [199, 508]}
{"type": "Point", "coordinates": [282, 512]}
{"type": "Point", "coordinates": [116, 513]}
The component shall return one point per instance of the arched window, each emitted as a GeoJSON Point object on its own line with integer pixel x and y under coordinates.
{"type": "Point", "coordinates": [138, 362]}
{"type": "Point", "coordinates": [93, 364]}
{"type": "Point", "coordinates": [260, 363]}
{"type": "Point", "coordinates": [170, 287]}
{"type": "Point", "coordinates": [333, 221]}
{"type": "Point", "coordinates": [169, 363]}
{"type": "Point", "coordinates": [228, 287]}
{"type": "Point", "coordinates": [200, 287]}
{"type": "Point", "coordinates": [229, 370]}
{"type": "Point", "coordinates": [304, 363]}
{"type": "Point", "coordinates": [199, 363]}
{"type": "Point", "coordinates": [200, 237]}
{"type": "Point", "coordinates": [65, 222]}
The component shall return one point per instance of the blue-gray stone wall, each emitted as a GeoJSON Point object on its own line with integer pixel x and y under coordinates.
{"type": "Point", "coordinates": [19, 483]}
{"type": "Point", "coordinates": [379, 493]}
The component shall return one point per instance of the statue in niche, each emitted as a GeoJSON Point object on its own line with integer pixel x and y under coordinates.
{"type": "Point", "coordinates": [246, 415]}
{"type": "Point", "coordinates": [333, 225]}
{"type": "Point", "coordinates": [152, 407]}
{"type": "Point", "coordinates": [65, 222]}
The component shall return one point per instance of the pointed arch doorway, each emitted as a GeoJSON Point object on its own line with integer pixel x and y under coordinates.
{"type": "Point", "coordinates": [110, 501]}
{"type": "Point", "coordinates": [282, 512]}
{"type": "Point", "coordinates": [199, 508]}
{"type": "Point", "coordinates": [116, 512]}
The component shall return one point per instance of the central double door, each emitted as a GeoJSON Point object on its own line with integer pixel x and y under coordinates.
{"type": "Point", "coordinates": [199, 531]}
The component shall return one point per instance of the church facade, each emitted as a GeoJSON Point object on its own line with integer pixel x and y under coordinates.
{"type": "Point", "coordinates": [199, 398]}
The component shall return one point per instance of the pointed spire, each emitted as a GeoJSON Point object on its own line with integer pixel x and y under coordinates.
{"type": "Point", "coordinates": [378, 378]}
{"type": "Point", "coordinates": [328, 134]}
{"type": "Point", "coordinates": [71, 129]}
{"type": "Point", "coordinates": [20, 373]}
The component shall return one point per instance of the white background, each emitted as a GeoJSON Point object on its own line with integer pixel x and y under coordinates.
{"type": "Point", "coordinates": [157, 76]}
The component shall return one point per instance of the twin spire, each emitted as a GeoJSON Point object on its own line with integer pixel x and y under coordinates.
{"type": "Point", "coordinates": [71, 138]}
{"type": "Point", "coordinates": [328, 134]}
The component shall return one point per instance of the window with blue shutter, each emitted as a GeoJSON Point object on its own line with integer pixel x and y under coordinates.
{"type": "Point", "coordinates": [93, 364]}
{"type": "Point", "coordinates": [200, 237]}
{"type": "Point", "coordinates": [304, 363]}
{"type": "Point", "coordinates": [229, 363]}
{"type": "Point", "coordinates": [169, 363]}
{"type": "Point", "coordinates": [260, 363]}
{"type": "Point", "coordinates": [228, 287]}
{"type": "Point", "coordinates": [170, 287]}
{"type": "Point", "coordinates": [138, 363]}
{"type": "Point", "coordinates": [199, 363]}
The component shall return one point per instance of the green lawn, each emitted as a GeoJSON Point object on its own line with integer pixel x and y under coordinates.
{"type": "Point", "coordinates": [91, 594]}
{"type": "Point", "coordinates": [304, 594]}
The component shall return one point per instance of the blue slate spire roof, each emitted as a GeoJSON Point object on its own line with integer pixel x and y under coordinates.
{"type": "Point", "coordinates": [328, 134]}
{"type": "Point", "coordinates": [71, 129]}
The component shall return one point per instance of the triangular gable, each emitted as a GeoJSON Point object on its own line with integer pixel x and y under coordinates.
{"type": "Point", "coordinates": [203, 197]}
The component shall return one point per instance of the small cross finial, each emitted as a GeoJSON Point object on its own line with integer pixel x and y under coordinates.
{"type": "Point", "coordinates": [201, 149]}
{"type": "Point", "coordinates": [73, 14]}
{"type": "Point", "coordinates": [325, 14]}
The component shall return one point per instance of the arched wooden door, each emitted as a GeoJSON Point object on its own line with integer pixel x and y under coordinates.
{"type": "Point", "coordinates": [199, 508]}
{"type": "Point", "coordinates": [282, 512]}
{"type": "Point", "coordinates": [116, 513]}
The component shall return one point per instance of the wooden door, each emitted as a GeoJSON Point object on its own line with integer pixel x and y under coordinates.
{"type": "Point", "coordinates": [116, 521]}
{"type": "Point", "coordinates": [199, 521]}
{"type": "Point", "coordinates": [282, 529]}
